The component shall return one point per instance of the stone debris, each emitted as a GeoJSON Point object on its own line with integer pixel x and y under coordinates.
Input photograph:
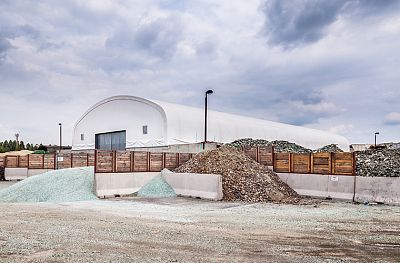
{"type": "Point", "coordinates": [288, 147]}
{"type": "Point", "coordinates": [156, 188]}
{"type": "Point", "coordinates": [66, 185]}
{"type": "Point", "coordinates": [279, 145]}
{"type": "Point", "coordinates": [242, 178]}
{"type": "Point", "coordinates": [248, 142]}
{"type": "Point", "coordinates": [380, 163]}
{"type": "Point", "coordinates": [332, 148]}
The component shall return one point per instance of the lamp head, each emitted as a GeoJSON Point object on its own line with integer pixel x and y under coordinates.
{"type": "Point", "coordinates": [209, 91]}
{"type": "Point", "coordinates": [376, 133]}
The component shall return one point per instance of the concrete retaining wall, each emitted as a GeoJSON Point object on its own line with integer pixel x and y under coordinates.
{"type": "Point", "coordinates": [367, 189]}
{"type": "Point", "coordinates": [111, 184]}
{"type": "Point", "coordinates": [15, 173]}
{"type": "Point", "coordinates": [192, 185]}
{"type": "Point", "coordinates": [207, 186]}
{"type": "Point", "coordinates": [378, 189]}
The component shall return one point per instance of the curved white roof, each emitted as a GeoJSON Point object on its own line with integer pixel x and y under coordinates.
{"type": "Point", "coordinates": [179, 124]}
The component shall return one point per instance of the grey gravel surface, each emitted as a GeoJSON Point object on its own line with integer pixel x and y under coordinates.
{"type": "Point", "coordinates": [190, 230]}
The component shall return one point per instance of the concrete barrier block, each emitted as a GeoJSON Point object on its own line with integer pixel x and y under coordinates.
{"type": "Point", "coordinates": [378, 189]}
{"type": "Point", "coordinates": [206, 186]}
{"type": "Point", "coordinates": [111, 184]}
{"type": "Point", "coordinates": [15, 173]}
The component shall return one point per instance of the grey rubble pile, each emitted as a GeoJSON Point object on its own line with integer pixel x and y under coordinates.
{"type": "Point", "coordinates": [67, 185]}
{"type": "Point", "coordinates": [279, 145]}
{"type": "Point", "coordinates": [156, 188]}
{"type": "Point", "coordinates": [379, 163]}
{"type": "Point", "coordinates": [248, 142]}
{"type": "Point", "coordinates": [242, 178]}
{"type": "Point", "coordinates": [332, 148]}
{"type": "Point", "coordinates": [285, 147]}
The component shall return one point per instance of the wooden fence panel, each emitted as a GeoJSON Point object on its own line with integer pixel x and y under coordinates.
{"type": "Point", "coordinates": [48, 161]}
{"type": "Point", "coordinates": [184, 157]}
{"type": "Point", "coordinates": [105, 161]}
{"type": "Point", "coordinates": [79, 159]}
{"type": "Point", "coordinates": [343, 163]}
{"type": "Point", "coordinates": [251, 152]}
{"type": "Point", "coordinates": [141, 162]}
{"type": "Point", "coordinates": [282, 162]}
{"type": "Point", "coordinates": [156, 162]}
{"type": "Point", "coordinates": [265, 156]}
{"type": "Point", "coordinates": [171, 160]}
{"type": "Point", "coordinates": [301, 163]}
{"type": "Point", "coordinates": [36, 161]}
{"type": "Point", "coordinates": [23, 161]}
{"type": "Point", "coordinates": [2, 164]}
{"type": "Point", "coordinates": [64, 161]}
{"type": "Point", "coordinates": [11, 161]}
{"type": "Point", "coordinates": [321, 163]}
{"type": "Point", "coordinates": [123, 161]}
{"type": "Point", "coordinates": [91, 159]}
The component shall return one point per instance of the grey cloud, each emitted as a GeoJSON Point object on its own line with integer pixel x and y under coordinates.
{"type": "Point", "coordinates": [158, 38]}
{"type": "Point", "coordinates": [291, 23]}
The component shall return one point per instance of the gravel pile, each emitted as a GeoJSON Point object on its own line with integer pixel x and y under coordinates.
{"type": "Point", "coordinates": [285, 147]}
{"type": "Point", "coordinates": [332, 148]}
{"type": "Point", "coordinates": [380, 163]}
{"type": "Point", "coordinates": [248, 142]}
{"type": "Point", "coordinates": [156, 188]}
{"type": "Point", "coordinates": [67, 185]}
{"type": "Point", "coordinates": [242, 178]}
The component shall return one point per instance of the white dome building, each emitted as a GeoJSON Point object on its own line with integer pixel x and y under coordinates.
{"type": "Point", "coordinates": [127, 122]}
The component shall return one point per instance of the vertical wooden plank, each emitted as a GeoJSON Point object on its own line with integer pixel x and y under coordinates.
{"type": "Point", "coordinates": [312, 163]}
{"type": "Point", "coordinates": [148, 162]}
{"type": "Point", "coordinates": [163, 161]}
{"type": "Point", "coordinates": [330, 163]}
{"type": "Point", "coordinates": [42, 161]}
{"type": "Point", "coordinates": [18, 161]}
{"type": "Point", "coordinates": [273, 157]}
{"type": "Point", "coordinates": [354, 164]}
{"type": "Point", "coordinates": [333, 163]}
{"type": "Point", "coordinates": [28, 160]}
{"type": "Point", "coordinates": [55, 160]}
{"type": "Point", "coordinates": [290, 162]}
{"type": "Point", "coordinates": [309, 163]}
{"type": "Point", "coordinates": [114, 161]}
{"type": "Point", "coordinates": [177, 160]}
{"type": "Point", "coordinates": [95, 161]}
{"type": "Point", "coordinates": [87, 159]}
{"type": "Point", "coordinates": [133, 161]}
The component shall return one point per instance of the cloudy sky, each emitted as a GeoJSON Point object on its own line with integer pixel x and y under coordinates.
{"type": "Point", "coordinates": [332, 65]}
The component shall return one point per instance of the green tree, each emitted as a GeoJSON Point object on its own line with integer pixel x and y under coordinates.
{"type": "Point", "coordinates": [21, 145]}
{"type": "Point", "coordinates": [5, 146]}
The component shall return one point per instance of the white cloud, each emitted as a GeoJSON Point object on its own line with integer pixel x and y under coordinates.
{"type": "Point", "coordinates": [393, 118]}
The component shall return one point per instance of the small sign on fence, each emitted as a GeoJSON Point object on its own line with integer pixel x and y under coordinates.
{"type": "Point", "coordinates": [60, 159]}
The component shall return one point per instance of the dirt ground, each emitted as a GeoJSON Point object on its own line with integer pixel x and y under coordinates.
{"type": "Point", "coordinates": [190, 230]}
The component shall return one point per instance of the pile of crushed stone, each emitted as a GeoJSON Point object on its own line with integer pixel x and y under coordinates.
{"type": "Point", "coordinates": [248, 142]}
{"type": "Point", "coordinates": [332, 148]}
{"type": "Point", "coordinates": [242, 178]}
{"type": "Point", "coordinates": [378, 163]}
{"type": "Point", "coordinates": [66, 185]}
{"type": "Point", "coordinates": [156, 188]}
{"type": "Point", "coordinates": [288, 147]}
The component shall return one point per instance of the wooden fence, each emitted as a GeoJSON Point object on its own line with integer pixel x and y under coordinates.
{"type": "Point", "coordinates": [129, 161]}
{"type": "Point", "coordinates": [132, 161]}
{"type": "Point", "coordinates": [48, 161]}
{"type": "Point", "coordinates": [315, 163]}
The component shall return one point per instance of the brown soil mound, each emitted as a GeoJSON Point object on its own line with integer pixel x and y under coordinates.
{"type": "Point", "coordinates": [242, 178]}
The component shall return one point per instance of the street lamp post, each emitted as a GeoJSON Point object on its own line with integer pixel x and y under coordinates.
{"type": "Point", "coordinates": [60, 124]}
{"type": "Point", "coordinates": [376, 133]}
{"type": "Point", "coordinates": [208, 92]}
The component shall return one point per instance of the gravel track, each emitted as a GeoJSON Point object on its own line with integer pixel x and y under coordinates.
{"type": "Point", "coordinates": [190, 230]}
